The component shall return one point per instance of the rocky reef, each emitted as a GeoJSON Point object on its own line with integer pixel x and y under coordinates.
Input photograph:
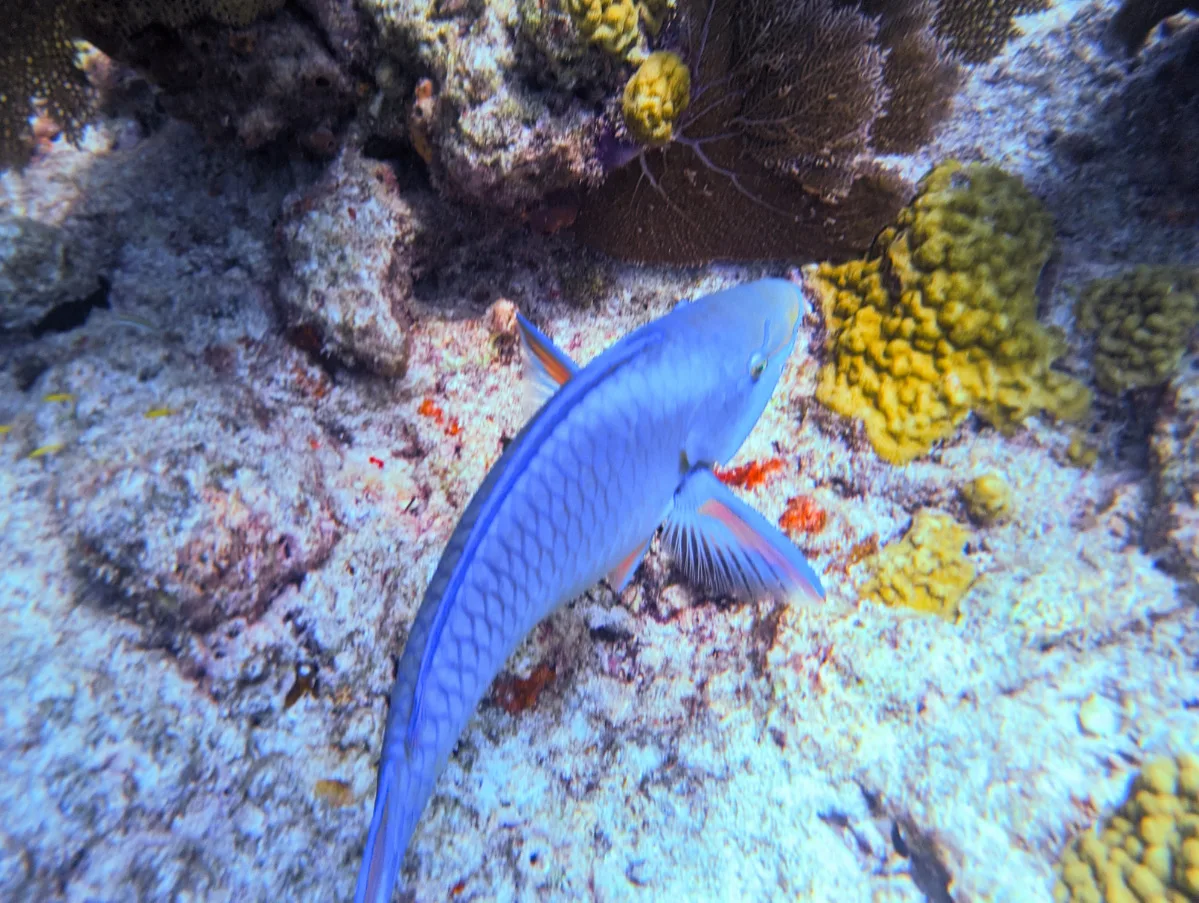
{"type": "Point", "coordinates": [259, 270]}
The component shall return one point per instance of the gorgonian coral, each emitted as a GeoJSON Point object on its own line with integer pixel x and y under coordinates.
{"type": "Point", "coordinates": [773, 157]}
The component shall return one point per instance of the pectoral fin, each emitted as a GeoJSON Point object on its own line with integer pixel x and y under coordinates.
{"type": "Point", "coordinates": [546, 367]}
{"type": "Point", "coordinates": [621, 574]}
{"type": "Point", "coordinates": [727, 546]}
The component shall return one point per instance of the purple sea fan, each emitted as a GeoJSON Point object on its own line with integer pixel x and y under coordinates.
{"type": "Point", "coordinates": [773, 158]}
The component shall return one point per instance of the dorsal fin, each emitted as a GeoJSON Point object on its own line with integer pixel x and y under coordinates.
{"type": "Point", "coordinates": [546, 366]}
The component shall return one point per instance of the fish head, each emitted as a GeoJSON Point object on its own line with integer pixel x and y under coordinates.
{"type": "Point", "coordinates": [745, 335]}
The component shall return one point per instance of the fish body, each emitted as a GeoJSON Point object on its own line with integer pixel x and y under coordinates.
{"type": "Point", "coordinates": [625, 444]}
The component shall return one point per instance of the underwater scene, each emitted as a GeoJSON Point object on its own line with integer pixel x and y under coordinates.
{"type": "Point", "coordinates": [599, 450]}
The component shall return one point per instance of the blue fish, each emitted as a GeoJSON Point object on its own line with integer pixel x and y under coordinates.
{"type": "Point", "coordinates": [617, 448]}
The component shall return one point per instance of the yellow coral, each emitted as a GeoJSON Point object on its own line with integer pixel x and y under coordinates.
{"type": "Point", "coordinates": [611, 24]}
{"type": "Point", "coordinates": [1142, 318]}
{"type": "Point", "coordinates": [988, 498]}
{"type": "Point", "coordinates": [940, 319]}
{"type": "Point", "coordinates": [926, 570]}
{"type": "Point", "coordinates": [655, 97]}
{"type": "Point", "coordinates": [1148, 850]}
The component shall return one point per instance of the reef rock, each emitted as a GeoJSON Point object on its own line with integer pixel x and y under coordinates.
{"type": "Point", "coordinates": [492, 134]}
{"type": "Point", "coordinates": [348, 257]}
{"type": "Point", "coordinates": [1174, 525]}
{"type": "Point", "coordinates": [44, 264]}
{"type": "Point", "coordinates": [191, 503]}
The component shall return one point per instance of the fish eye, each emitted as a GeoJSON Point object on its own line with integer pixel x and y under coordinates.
{"type": "Point", "coordinates": [757, 365]}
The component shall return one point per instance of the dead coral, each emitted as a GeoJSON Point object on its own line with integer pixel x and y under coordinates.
{"type": "Point", "coordinates": [773, 157]}
{"type": "Point", "coordinates": [37, 64]}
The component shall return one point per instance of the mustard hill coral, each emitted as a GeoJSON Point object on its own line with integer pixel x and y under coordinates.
{"type": "Point", "coordinates": [1148, 850]}
{"type": "Point", "coordinates": [926, 570]}
{"type": "Point", "coordinates": [655, 97]}
{"type": "Point", "coordinates": [1143, 318]}
{"type": "Point", "coordinates": [988, 498]}
{"type": "Point", "coordinates": [940, 319]}
{"type": "Point", "coordinates": [611, 25]}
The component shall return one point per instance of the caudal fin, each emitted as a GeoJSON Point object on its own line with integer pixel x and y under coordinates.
{"type": "Point", "coordinates": [397, 810]}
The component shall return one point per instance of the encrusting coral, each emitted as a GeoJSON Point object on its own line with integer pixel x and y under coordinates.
{"type": "Point", "coordinates": [940, 318]}
{"type": "Point", "coordinates": [988, 498]}
{"type": "Point", "coordinates": [1148, 851]}
{"type": "Point", "coordinates": [927, 570]}
{"type": "Point", "coordinates": [611, 25]}
{"type": "Point", "coordinates": [655, 97]}
{"type": "Point", "coordinates": [1143, 319]}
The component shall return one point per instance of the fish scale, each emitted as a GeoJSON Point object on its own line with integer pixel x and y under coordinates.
{"type": "Point", "coordinates": [578, 492]}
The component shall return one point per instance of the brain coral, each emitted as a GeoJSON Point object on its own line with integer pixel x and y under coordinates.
{"type": "Point", "coordinates": [1143, 318]}
{"type": "Point", "coordinates": [1147, 851]}
{"type": "Point", "coordinates": [926, 570]}
{"type": "Point", "coordinates": [940, 319]}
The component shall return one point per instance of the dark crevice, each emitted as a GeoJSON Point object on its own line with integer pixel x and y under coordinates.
{"type": "Point", "coordinates": [73, 314]}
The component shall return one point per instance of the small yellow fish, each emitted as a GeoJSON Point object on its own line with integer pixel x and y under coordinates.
{"type": "Point", "coordinates": [41, 451]}
{"type": "Point", "coordinates": [55, 397]}
{"type": "Point", "coordinates": [5, 429]}
{"type": "Point", "coordinates": [160, 412]}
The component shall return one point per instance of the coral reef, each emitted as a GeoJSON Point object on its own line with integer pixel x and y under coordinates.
{"type": "Point", "coordinates": [37, 63]}
{"type": "Point", "coordinates": [927, 570]}
{"type": "Point", "coordinates": [1159, 104]}
{"type": "Point", "coordinates": [655, 97]}
{"type": "Point", "coordinates": [988, 498]}
{"type": "Point", "coordinates": [1173, 526]}
{"type": "Point", "coordinates": [940, 319]}
{"type": "Point", "coordinates": [243, 68]}
{"type": "Point", "coordinates": [1148, 850]}
{"type": "Point", "coordinates": [263, 81]}
{"type": "Point", "coordinates": [1143, 319]}
{"type": "Point", "coordinates": [1135, 19]}
{"type": "Point", "coordinates": [504, 135]}
{"type": "Point", "coordinates": [337, 277]}
{"type": "Point", "coordinates": [47, 262]}
{"type": "Point", "coordinates": [773, 157]}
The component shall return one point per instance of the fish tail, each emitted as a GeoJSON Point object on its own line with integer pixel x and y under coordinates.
{"type": "Point", "coordinates": [399, 800]}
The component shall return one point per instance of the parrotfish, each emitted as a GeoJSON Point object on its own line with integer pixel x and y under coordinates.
{"type": "Point", "coordinates": [616, 448]}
